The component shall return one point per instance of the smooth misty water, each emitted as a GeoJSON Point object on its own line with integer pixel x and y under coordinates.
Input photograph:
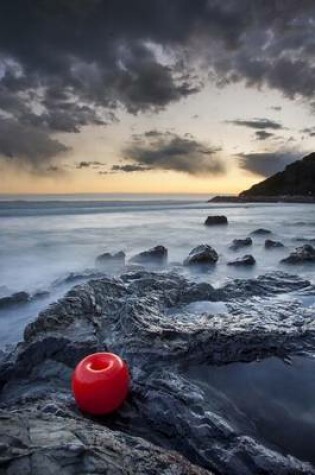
{"type": "Point", "coordinates": [41, 241]}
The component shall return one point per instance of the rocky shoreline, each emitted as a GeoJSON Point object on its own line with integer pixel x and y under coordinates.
{"type": "Point", "coordinates": [295, 184]}
{"type": "Point", "coordinates": [167, 425]}
{"type": "Point", "coordinates": [263, 199]}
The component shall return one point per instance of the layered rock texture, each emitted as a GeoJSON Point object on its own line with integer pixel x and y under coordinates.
{"type": "Point", "coordinates": [167, 426]}
{"type": "Point", "coordinates": [201, 255]}
{"type": "Point", "coordinates": [240, 243]}
{"type": "Point", "coordinates": [302, 254]}
{"type": "Point", "coordinates": [156, 255]}
{"type": "Point", "coordinates": [247, 260]}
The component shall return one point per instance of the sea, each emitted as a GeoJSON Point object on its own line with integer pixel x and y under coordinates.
{"type": "Point", "coordinates": [50, 243]}
{"type": "Point", "coordinates": [44, 239]}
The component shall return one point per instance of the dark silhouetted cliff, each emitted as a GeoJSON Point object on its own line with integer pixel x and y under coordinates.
{"type": "Point", "coordinates": [297, 179]}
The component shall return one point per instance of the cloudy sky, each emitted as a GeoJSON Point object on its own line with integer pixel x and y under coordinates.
{"type": "Point", "coordinates": [196, 96]}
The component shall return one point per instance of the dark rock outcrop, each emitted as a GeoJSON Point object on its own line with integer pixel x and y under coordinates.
{"type": "Point", "coordinates": [155, 255]}
{"type": "Point", "coordinates": [247, 260]}
{"type": "Point", "coordinates": [260, 232]}
{"type": "Point", "coordinates": [240, 243]}
{"type": "Point", "coordinates": [297, 179]}
{"type": "Point", "coordinates": [108, 259]}
{"type": "Point", "coordinates": [203, 254]}
{"type": "Point", "coordinates": [42, 431]}
{"type": "Point", "coordinates": [40, 441]}
{"type": "Point", "coordinates": [305, 253]}
{"type": "Point", "coordinates": [263, 199]}
{"type": "Point", "coordinates": [78, 277]}
{"type": "Point", "coordinates": [214, 220]}
{"type": "Point", "coordinates": [270, 244]}
{"type": "Point", "coordinates": [15, 299]}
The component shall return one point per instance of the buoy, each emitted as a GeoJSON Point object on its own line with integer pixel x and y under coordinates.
{"type": "Point", "coordinates": [100, 383]}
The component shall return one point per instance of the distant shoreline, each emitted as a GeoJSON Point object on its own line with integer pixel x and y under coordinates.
{"type": "Point", "coordinates": [262, 199]}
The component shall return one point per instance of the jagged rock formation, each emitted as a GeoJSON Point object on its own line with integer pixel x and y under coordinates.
{"type": "Point", "coordinates": [239, 243]}
{"type": "Point", "coordinates": [14, 299]}
{"type": "Point", "coordinates": [247, 260]}
{"type": "Point", "coordinates": [111, 259]}
{"type": "Point", "coordinates": [156, 255]}
{"type": "Point", "coordinates": [41, 442]}
{"type": "Point", "coordinates": [305, 253]}
{"type": "Point", "coordinates": [270, 244]}
{"type": "Point", "coordinates": [297, 179]}
{"type": "Point", "coordinates": [203, 254]}
{"type": "Point", "coordinates": [42, 431]}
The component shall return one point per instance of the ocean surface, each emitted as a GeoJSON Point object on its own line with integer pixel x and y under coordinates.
{"type": "Point", "coordinates": [49, 244]}
{"type": "Point", "coordinates": [43, 239]}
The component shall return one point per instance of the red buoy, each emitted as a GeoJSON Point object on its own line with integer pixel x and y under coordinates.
{"type": "Point", "coordinates": [100, 383]}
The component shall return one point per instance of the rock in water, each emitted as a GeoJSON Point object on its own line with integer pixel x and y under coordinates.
{"type": "Point", "coordinates": [15, 299]}
{"type": "Point", "coordinates": [213, 220]}
{"type": "Point", "coordinates": [239, 243]}
{"type": "Point", "coordinates": [260, 232]}
{"type": "Point", "coordinates": [247, 260]}
{"type": "Point", "coordinates": [42, 431]}
{"type": "Point", "coordinates": [108, 259]}
{"type": "Point", "coordinates": [270, 244]}
{"type": "Point", "coordinates": [202, 254]}
{"type": "Point", "coordinates": [155, 255]}
{"type": "Point", "coordinates": [301, 254]}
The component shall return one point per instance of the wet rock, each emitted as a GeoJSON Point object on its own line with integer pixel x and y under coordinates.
{"type": "Point", "coordinates": [77, 277]}
{"type": "Point", "coordinates": [204, 431]}
{"type": "Point", "coordinates": [155, 255]}
{"type": "Point", "coordinates": [108, 259]}
{"type": "Point", "coordinates": [270, 284]}
{"type": "Point", "coordinates": [203, 254]}
{"type": "Point", "coordinates": [15, 299]}
{"type": "Point", "coordinates": [40, 294]}
{"type": "Point", "coordinates": [261, 232]}
{"type": "Point", "coordinates": [214, 220]}
{"type": "Point", "coordinates": [247, 260]}
{"type": "Point", "coordinates": [41, 430]}
{"type": "Point", "coordinates": [303, 254]}
{"type": "Point", "coordinates": [270, 244]}
{"type": "Point", "coordinates": [239, 243]}
{"type": "Point", "coordinates": [35, 443]}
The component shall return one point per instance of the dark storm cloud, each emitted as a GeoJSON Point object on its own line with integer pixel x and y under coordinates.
{"type": "Point", "coordinates": [65, 64]}
{"type": "Point", "coordinates": [309, 131]}
{"type": "Point", "coordinates": [276, 108]}
{"type": "Point", "coordinates": [130, 168]}
{"type": "Point", "coordinates": [88, 164]}
{"type": "Point", "coordinates": [257, 124]}
{"type": "Point", "coordinates": [263, 135]}
{"type": "Point", "coordinates": [26, 145]}
{"type": "Point", "coordinates": [167, 151]}
{"type": "Point", "coordinates": [83, 165]}
{"type": "Point", "coordinates": [267, 163]}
